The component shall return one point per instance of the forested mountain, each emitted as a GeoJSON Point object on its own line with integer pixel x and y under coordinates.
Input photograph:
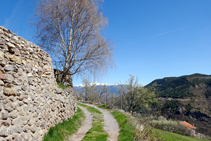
{"type": "Point", "coordinates": [188, 86]}
{"type": "Point", "coordinates": [185, 98]}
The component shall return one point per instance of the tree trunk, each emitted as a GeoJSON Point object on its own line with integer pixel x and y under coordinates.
{"type": "Point", "coordinates": [63, 77]}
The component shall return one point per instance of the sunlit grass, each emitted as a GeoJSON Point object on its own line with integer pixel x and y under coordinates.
{"type": "Point", "coordinates": [63, 130]}
{"type": "Point", "coordinates": [96, 133]}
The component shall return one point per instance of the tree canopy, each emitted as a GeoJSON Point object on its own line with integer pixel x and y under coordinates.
{"type": "Point", "coordinates": [70, 31]}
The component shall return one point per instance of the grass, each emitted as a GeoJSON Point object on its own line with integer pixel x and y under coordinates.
{"type": "Point", "coordinates": [125, 133]}
{"type": "Point", "coordinates": [103, 106]}
{"type": "Point", "coordinates": [82, 105]}
{"type": "Point", "coordinates": [62, 130]}
{"type": "Point", "coordinates": [168, 136]}
{"type": "Point", "coordinates": [96, 133]}
{"type": "Point", "coordinates": [60, 85]}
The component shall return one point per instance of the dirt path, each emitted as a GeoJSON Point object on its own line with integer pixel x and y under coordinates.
{"type": "Point", "coordinates": [110, 124]}
{"type": "Point", "coordinates": [86, 125]}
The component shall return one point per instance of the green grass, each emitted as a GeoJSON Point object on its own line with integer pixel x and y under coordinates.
{"type": "Point", "coordinates": [103, 106]}
{"type": "Point", "coordinates": [96, 133]}
{"type": "Point", "coordinates": [168, 136]}
{"type": "Point", "coordinates": [60, 85]}
{"type": "Point", "coordinates": [125, 133]}
{"type": "Point", "coordinates": [80, 104]}
{"type": "Point", "coordinates": [62, 130]}
{"type": "Point", "coordinates": [93, 110]}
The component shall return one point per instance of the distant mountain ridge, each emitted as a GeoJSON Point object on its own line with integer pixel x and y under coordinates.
{"type": "Point", "coordinates": [111, 87]}
{"type": "Point", "coordinates": [195, 85]}
{"type": "Point", "coordinates": [97, 84]}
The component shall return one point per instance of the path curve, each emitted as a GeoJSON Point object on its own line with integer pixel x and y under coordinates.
{"type": "Point", "coordinates": [86, 125]}
{"type": "Point", "coordinates": [110, 124]}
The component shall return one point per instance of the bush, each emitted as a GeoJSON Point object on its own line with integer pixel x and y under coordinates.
{"type": "Point", "coordinates": [170, 126]}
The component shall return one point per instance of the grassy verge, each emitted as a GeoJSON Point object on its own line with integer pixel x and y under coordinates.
{"type": "Point", "coordinates": [168, 136]}
{"type": "Point", "coordinates": [96, 133]}
{"type": "Point", "coordinates": [103, 106]}
{"type": "Point", "coordinates": [80, 104]}
{"type": "Point", "coordinates": [130, 129]}
{"type": "Point", "coordinates": [60, 85]}
{"type": "Point", "coordinates": [62, 130]}
{"type": "Point", "coordinates": [125, 133]}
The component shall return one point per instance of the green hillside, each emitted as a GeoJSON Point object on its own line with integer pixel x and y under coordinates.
{"type": "Point", "coordinates": [185, 98]}
{"type": "Point", "coordinates": [195, 85]}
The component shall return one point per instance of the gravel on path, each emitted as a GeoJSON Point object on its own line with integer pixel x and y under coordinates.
{"type": "Point", "coordinates": [110, 124]}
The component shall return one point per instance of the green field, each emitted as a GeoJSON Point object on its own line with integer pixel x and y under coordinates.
{"type": "Point", "coordinates": [168, 136]}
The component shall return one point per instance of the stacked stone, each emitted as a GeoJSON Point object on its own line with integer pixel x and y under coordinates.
{"type": "Point", "coordinates": [58, 76]}
{"type": "Point", "coordinates": [30, 101]}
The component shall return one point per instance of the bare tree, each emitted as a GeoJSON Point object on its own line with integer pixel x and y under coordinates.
{"type": "Point", "coordinates": [70, 31]}
{"type": "Point", "coordinates": [103, 90]}
{"type": "Point", "coordinates": [121, 88]}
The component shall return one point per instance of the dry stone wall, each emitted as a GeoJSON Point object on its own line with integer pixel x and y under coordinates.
{"type": "Point", "coordinates": [30, 101]}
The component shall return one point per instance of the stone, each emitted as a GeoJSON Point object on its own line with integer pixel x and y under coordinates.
{"type": "Point", "coordinates": [1, 83]}
{"type": "Point", "coordinates": [10, 91]}
{"type": "Point", "coordinates": [4, 115]}
{"type": "Point", "coordinates": [1, 54]}
{"type": "Point", "coordinates": [29, 104]}
{"type": "Point", "coordinates": [9, 78]}
{"type": "Point", "coordinates": [9, 68]}
{"type": "Point", "coordinates": [10, 45]}
{"type": "Point", "coordinates": [18, 138]}
{"type": "Point", "coordinates": [16, 75]}
{"type": "Point", "coordinates": [13, 114]}
{"type": "Point", "coordinates": [3, 62]}
{"type": "Point", "coordinates": [1, 43]}
{"type": "Point", "coordinates": [1, 89]}
{"type": "Point", "coordinates": [4, 132]}
{"type": "Point", "coordinates": [9, 107]}
{"type": "Point", "coordinates": [33, 129]}
{"type": "Point", "coordinates": [31, 122]}
{"type": "Point", "coordinates": [30, 81]}
{"type": "Point", "coordinates": [16, 59]}
{"type": "Point", "coordinates": [16, 121]}
{"type": "Point", "coordinates": [12, 50]}
{"type": "Point", "coordinates": [17, 88]}
{"type": "Point", "coordinates": [6, 123]}
{"type": "Point", "coordinates": [26, 108]}
{"type": "Point", "coordinates": [43, 124]}
{"type": "Point", "coordinates": [59, 91]}
{"type": "Point", "coordinates": [32, 87]}
{"type": "Point", "coordinates": [24, 88]}
{"type": "Point", "coordinates": [9, 138]}
{"type": "Point", "coordinates": [17, 129]}
{"type": "Point", "coordinates": [1, 107]}
{"type": "Point", "coordinates": [36, 135]}
{"type": "Point", "coordinates": [15, 38]}
{"type": "Point", "coordinates": [2, 77]}
{"type": "Point", "coordinates": [16, 82]}
{"type": "Point", "coordinates": [38, 91]}
{"type": "Point", "coordinates": [2, 96]}
{"type": "Point", "coordinates": [21, 113]}
{"type": "Point", "coordinates": [32, 96]}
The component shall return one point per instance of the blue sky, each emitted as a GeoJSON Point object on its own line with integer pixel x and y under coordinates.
{"type": "Point", "coordinates": [153, 39]}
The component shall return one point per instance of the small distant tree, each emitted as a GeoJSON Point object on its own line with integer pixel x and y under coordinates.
{"type": "Point", "coordinates": [102, 92]}
{"type": "Point", "coordinates": [121, 90]}
{"type": "Point", "coordinates": [71, 32]}
{"type": "Point", "coordinates": [136, 96]}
